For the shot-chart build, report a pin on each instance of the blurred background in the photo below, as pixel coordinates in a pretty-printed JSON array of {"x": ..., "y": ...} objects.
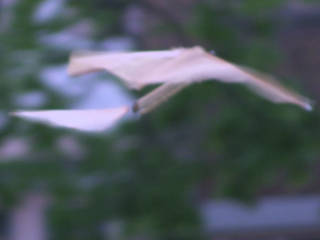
[{"x": 216, "y": 162}]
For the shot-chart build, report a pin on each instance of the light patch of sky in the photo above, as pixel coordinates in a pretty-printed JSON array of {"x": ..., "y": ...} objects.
[
  {"x": 47, "y": 10},
  {"x": 105, "y": 94},
  {"x": 113, "y": 229},
  {"x": 6, "y": 16},
  {"x": 26, "y": 62},
  {"x": 65, "y": 41},
  {"x": 91, "y": 91},
  {"x": 84, "y": 28},
  {"x": 57, "y": 79},
  {"x": 75, "y": 37},
  {"x": 6, "y": 3},
  {"x": 32, "y": 99},
  {"x": 14, "y": 147},
  {"x": 117, "y": 44},
  {"x": 268, "y": 213},
  {"x": 134, "y": 20},
  {"x": 71, "y": 147}
]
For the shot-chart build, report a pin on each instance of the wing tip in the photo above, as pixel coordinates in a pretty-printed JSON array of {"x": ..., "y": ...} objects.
[
  {"x": 308, "y": 106},
  {"x": 15, "y": 114}
]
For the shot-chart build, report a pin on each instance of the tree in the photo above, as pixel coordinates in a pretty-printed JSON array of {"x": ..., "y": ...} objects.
[{"x": 150, "y": 176}]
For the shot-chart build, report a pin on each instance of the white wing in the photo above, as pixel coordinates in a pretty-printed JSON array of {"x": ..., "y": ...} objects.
[
  {"x": 183, "y": 66},
  {"x": 128, "y": 66},
  {"x": 266, "y": 86},
  {"x": 85, "y": 120},
  {"x": 139, "y": 69}
]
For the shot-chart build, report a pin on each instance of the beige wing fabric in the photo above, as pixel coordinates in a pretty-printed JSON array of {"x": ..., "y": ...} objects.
[
  {"x": 180, "y": 66},
  {"x": 85, "y": 120},
  {"x": 139, "y": 69},
  {"x": 266, "y": 86},
  {"x": 132, "y": 67}
]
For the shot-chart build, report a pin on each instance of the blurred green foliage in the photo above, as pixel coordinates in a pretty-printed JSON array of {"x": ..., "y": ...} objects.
[{"x": 152, "y": 174}]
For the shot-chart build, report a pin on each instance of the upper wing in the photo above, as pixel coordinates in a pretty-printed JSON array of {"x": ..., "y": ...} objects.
[
  {"x": 262, "y": 84},
  {"x": 131, "y": 67},
  {"x": 138, "y": 69},
  {"x": 195, "y": 65},
  {"x": 182, "y": 65},
  {"x": 266, "y": 86},
  {"x": 85, "y": 120}
]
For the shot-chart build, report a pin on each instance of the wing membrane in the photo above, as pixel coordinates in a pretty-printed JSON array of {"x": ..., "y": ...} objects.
[{"x": 85, "y": 120}]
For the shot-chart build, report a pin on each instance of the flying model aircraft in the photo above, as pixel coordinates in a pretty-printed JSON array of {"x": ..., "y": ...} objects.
[{"x": 174, "y": 69}]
